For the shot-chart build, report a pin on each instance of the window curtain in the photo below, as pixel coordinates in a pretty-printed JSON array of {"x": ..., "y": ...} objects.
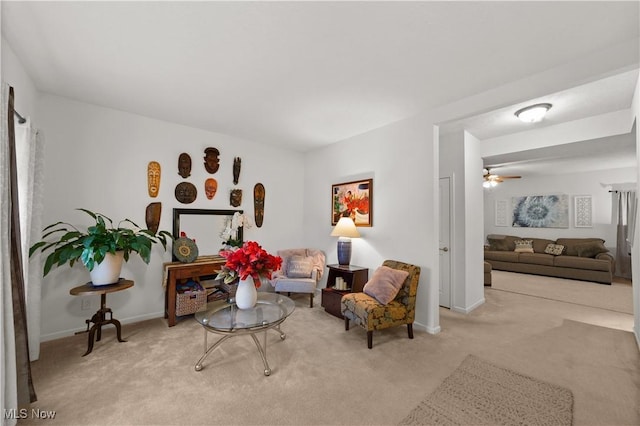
[
  {"x": 17, "y": 389},
  {"x": 30, "y": 170},
  {"x": 625, "y": 205}
]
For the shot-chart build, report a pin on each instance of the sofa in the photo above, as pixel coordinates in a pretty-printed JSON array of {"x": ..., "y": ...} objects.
[{"x": 585, "y": 259}]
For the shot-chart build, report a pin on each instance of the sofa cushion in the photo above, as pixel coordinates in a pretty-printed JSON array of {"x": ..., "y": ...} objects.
[
  {"x": 554, "y": 249},
  {"x": 539, "y": 244},
  {"x": 385, "y": 284},
  {"x": 591, "y": 249},
  {"x": 299, "y": 267},
  {"x": 571, "y": 243},
  {"x": 523, "y": 246},
  {"x": 582, "y": 263},
  {"x": 501, "y": 256},
  {"x": 502, "y": 242},
  {"x": 536, "y": 259}
]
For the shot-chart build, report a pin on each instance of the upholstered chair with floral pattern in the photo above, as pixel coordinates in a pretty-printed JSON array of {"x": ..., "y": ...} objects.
[{"x": 388, "y": 299}]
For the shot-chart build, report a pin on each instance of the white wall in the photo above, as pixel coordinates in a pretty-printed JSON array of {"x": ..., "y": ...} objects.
[
  {"x": 571, "y": 184},
  {"x": 635, "y": 249},
  {"x": 14, "y": 74},
  {"x": 97, "y": 158},
  {"x": 399, "y": 158},
  {"x": 460, "y": 160},
  {"x": 474, "y": 257}
]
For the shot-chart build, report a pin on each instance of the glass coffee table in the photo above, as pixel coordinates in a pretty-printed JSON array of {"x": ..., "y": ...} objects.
[{"x": 224, "y": 318}]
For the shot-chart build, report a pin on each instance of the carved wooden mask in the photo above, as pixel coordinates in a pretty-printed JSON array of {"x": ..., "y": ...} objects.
[
  {"x": 184, "y": 165},
  {"x": 236, "y": 197},
  {"x": 210, "y": 188},
  {"x": 153, "y": 178}
]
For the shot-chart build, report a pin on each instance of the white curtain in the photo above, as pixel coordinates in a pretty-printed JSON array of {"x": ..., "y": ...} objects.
[
  {"x": 625, "y": 212},
  {"x": 30, "y": 163},
  {"x": 8, "y": 376}
]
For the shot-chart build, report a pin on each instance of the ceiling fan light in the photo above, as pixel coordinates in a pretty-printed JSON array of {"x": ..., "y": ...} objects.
[{"x": 533, "y": 113}]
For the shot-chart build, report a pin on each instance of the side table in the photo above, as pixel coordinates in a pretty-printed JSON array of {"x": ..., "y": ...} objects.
[
  {"x": 354, "y": 276},
  {"x": 100, "y": 317}
]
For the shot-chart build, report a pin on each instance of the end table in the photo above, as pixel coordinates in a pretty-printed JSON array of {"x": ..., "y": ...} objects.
[{"x": 100, "y": 318}]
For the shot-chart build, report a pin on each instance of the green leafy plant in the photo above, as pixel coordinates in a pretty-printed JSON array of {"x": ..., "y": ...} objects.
[{"x": 90, "y": 247}]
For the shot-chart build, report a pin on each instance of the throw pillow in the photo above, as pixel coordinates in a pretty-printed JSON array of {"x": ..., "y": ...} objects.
[
  {"x": 299, "y": 267},
  {"x": 385, "y": 284},
  {"x": 591, "y": 249},
  {"x": 523, "y": 246},
  {"x": 554, "y": 249}
]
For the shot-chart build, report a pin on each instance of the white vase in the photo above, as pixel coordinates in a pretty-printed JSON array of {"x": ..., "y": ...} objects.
[
  {"x": 246, "y": 294},
  {"x": 108, "y": 271}
]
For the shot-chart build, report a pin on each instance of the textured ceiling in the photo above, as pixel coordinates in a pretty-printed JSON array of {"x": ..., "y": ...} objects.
[{"x": 305, "y": 74}]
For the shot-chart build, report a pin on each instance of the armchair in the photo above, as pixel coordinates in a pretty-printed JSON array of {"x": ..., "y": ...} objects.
[
  {"x": 300, "y": 272},
  {"x": 391, "y": 310}
]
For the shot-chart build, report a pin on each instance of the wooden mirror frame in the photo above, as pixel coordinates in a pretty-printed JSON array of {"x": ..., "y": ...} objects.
[{"x": 178, "y": 213}]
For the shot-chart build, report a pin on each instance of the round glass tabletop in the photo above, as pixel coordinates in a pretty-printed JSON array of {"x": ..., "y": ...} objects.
[{"x": 271, "y": 308}]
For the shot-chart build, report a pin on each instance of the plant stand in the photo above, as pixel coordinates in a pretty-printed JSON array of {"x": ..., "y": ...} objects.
[{"x": 100, "y": 317}]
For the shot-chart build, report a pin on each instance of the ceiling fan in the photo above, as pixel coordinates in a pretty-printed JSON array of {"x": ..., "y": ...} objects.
[{"x": 491, "y": 180}]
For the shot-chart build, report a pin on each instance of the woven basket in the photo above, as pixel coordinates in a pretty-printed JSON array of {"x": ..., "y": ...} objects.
[{"x": 190, "y": 301}]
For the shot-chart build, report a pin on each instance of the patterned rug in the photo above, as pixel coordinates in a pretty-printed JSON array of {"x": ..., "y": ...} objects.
[{"x": 479, "y": 393}]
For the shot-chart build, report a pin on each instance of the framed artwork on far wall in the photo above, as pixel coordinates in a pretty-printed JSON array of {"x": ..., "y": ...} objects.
[
  {"x": 583, "y": 211},
  {"x": 502, "y": 215},
  {"x": 354, "y": 200}
]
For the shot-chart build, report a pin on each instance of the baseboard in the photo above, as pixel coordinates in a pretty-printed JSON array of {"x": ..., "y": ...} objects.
[
  {"x": 71, "y": 332},
  {"x": 430, "y": 330},
  {"x": 468, "y": 310},
  {"x": 636, "y": 333}
]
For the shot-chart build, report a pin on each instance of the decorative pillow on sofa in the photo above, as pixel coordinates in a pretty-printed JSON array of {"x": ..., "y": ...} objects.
[
  {"x": 523, "y": 246},
  {"x": 385, "y": 284},
  {"x": 554, "y": 249},
  {"x": 591, "y": 249},
  {"x": 299, "y": 267}
]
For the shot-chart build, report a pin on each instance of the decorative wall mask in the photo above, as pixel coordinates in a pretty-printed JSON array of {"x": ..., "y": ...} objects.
[
  {"x": 153, "y": 178},
  {"x": 236, "y": 197},
  {"x": 152, "y": 216},
  {"x": 210, "y": 188},
  {"x": 211, "y": 160},
  {"x": 236, "y": 169},
  {"x": 258, "y": 204},
  {"x": 186, "y": 192},
  {"x": 184, "y": 165}
]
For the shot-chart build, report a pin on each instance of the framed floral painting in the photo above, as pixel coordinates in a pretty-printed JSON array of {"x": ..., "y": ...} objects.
[{"x": 354, "y": 200}]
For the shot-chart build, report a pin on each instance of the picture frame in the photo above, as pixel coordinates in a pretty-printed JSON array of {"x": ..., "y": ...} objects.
[
  {"x": 353, "y": 199},
  {"x": 501, "y": 213},
  {"x": 583, "y": 211},
  {"x": 540, "y": 211}
]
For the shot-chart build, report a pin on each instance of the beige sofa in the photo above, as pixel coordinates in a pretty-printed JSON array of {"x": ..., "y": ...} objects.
[{"x": 583, "y": 259}]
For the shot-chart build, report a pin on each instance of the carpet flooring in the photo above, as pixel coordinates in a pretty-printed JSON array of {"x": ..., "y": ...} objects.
[
  {"x": 480, "y": 393},
  {"x": 324, "y": 375}
]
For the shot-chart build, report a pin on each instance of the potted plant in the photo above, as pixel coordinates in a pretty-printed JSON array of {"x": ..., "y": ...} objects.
[
  {"x": 101, "y": 248},
  {"x": 248, "y": 264}
]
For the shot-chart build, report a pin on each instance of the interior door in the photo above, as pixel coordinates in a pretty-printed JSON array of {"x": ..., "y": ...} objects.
[{"x": 445, "y": 242}]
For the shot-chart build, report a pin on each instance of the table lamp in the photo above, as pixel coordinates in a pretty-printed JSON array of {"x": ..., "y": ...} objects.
[{"x": 345, "y": 229}]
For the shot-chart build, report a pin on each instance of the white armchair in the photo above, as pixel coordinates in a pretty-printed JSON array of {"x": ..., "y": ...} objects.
[{"x": 300, "y": 272}]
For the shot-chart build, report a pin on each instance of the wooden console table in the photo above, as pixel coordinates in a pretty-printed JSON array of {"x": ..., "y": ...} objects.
[{"x": 174, "y": 271}]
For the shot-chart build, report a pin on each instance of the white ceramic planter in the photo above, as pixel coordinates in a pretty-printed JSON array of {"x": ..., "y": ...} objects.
[
  {"x": 246, "y": 294},
  {"x": 108, "y": 271}
]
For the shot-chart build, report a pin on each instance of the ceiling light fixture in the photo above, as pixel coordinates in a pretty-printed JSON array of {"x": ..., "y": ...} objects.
[{"x": 533, "y": 113}]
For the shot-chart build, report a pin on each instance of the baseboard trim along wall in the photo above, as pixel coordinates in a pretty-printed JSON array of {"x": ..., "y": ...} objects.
[{"x": 470, "y": 308}]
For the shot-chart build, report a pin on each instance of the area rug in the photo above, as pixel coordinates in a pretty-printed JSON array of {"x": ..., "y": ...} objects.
[{"x": 480, "y": 393}]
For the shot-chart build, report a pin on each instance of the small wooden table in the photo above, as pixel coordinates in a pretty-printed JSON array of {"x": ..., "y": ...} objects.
[
  {"x": 355, "y": 277},
  {"x": 100, "y": 318},
  {"x": 174, "y": 271}
]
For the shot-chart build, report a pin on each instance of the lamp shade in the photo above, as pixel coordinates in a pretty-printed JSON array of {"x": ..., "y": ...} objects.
[{"x": 345, "y": 228}]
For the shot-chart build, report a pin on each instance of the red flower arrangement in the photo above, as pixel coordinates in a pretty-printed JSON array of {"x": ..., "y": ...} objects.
[{"x": 250, "y": 260}]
